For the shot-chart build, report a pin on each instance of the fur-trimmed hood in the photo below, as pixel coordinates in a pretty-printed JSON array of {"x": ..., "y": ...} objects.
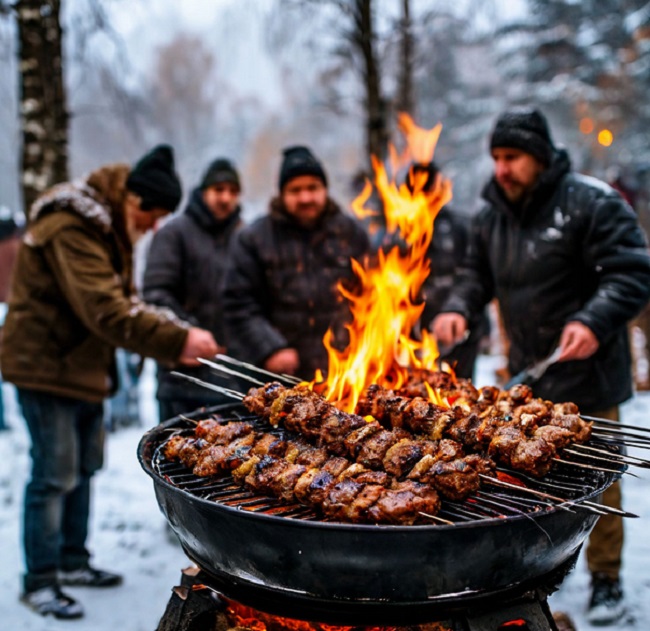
[{"x": 98, "y": 198}]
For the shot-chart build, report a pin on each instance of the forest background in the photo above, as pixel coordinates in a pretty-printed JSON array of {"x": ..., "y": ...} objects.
[{"x": 86, "y": 82}]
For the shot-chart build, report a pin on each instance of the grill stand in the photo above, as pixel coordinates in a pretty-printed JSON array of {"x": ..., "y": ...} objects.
[{"x": 522, "y": 609}]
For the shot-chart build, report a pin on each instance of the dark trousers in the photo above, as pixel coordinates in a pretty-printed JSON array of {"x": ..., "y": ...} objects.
[
  {"x": 67, "y": 442},
  {"x": 606, "y": 540}
]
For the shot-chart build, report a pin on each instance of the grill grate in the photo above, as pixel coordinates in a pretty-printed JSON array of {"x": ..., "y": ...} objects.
[{"x": 570, "y": 483}]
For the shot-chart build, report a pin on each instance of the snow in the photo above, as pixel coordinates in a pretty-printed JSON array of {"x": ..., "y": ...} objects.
[{"x": 128, "y": 532}]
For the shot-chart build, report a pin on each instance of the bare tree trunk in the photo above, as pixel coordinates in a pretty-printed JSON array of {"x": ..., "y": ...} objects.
[
  {"x": 364, "y": 39},
  {"x": 405, "y": 97},
  {"x": 43, "y": 104}
]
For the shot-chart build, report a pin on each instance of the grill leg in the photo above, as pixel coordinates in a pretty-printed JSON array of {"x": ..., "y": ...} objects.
[{"x": 528, "y": 616}]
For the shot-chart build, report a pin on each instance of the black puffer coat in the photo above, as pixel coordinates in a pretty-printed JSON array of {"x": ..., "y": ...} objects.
[
  {"x": 184, "y": 271},
  {"x": 280, "y": 289},
  {"x": 574, "y": 252}
]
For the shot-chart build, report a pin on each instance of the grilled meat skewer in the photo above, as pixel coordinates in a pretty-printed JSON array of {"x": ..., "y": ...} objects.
[
  {"x": 304, "y": 411},
  {"x": 270, "y": 465},
  {"x": 507, "y": 426}
]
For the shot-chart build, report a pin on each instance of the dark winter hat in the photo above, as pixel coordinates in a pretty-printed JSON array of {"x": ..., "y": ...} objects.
[
  {"x": 299, "y": 160},
  {"x": 155, "y": 180},
  {"x": 220, "y": 171},
  {"x": 524, "y": 128}
]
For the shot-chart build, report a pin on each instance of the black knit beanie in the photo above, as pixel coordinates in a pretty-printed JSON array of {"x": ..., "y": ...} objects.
[
  {"x": 299, "y": 160},
  {"x": 155, "y": 180},
  {"x": 220, "y": 171},
  {"x": 526, "y": 129}
]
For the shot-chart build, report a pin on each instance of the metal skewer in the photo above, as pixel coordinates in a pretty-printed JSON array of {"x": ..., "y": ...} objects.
[
  {"x": 233, "y": 394},
  {"x": 609, "y": 423},
  {"x": 588, "y": 466},
  {"x": 563, "y": 503},
  {"x": 236, "y": 362},
  {"x": 633, "y": 460},
  {"x": 611, "y": 431},
  {"x": 610, "y": 460},
  {"x": 230, "y": 371},
  {"x": 611, "y": 509},
  {"x": 436, "y": 518}
]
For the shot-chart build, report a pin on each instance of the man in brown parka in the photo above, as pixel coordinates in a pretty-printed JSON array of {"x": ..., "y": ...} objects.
[{"x": 70, "y": 306}]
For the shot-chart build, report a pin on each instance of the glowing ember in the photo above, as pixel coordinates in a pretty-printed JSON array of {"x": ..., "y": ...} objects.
[
  {"x": 385, "y": 309},
  {"x": 248, "y": 618}
]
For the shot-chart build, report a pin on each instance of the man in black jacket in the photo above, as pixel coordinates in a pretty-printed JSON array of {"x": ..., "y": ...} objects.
[
  {"x": 568, "y": 262},
  {"x": 184, "y": 271},
  {"x": 281, "y": 285}
]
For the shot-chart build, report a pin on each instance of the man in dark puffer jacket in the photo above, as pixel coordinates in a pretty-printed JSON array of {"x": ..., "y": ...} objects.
[
  {"x": 568, "y": 262},
  {"x": 280, "y": 293},
  {"x": 184, "y": 272}
]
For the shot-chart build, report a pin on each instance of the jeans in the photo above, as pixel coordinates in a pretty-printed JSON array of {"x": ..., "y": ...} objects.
[
  {"x": 67, "y": 442},
  {"x": 123, "y": 408}
]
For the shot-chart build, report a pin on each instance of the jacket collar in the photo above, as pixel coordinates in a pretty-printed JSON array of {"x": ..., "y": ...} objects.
[
  {"x": 541, "y": 193},
  {"x": 77, "y": 197},
  {"x": 197, "y": 210}
]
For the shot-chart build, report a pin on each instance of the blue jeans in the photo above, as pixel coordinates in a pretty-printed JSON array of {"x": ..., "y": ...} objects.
[{"x": 67, "y": 449}]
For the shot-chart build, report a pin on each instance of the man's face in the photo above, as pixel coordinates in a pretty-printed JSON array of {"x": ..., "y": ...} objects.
[
  {"x": 304, "y": 198},
  {"x": 516, "y": 172},
  {"x": 138, "y": 221},
  {"x": 222, "y": 199}
]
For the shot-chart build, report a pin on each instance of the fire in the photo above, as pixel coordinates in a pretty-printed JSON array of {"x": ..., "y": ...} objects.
[
  {"x": 247, "y": 618},
  {"x": 385, "y": 307}
]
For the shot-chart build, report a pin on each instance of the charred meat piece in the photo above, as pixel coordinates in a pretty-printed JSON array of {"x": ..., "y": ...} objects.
[
  {"x": 269, "y": 445},
  {"x": 312, "y": 486},
  {"x": 336, "y": 426},
  {"x": 356, "y": 438},
  {"x": 404, "y": 502},
  {"x": 555, "y": 435},
  {"x": 534, "y": 456},
  {"x": 580, "y": 429},
  {"x": 275, "y": 477},
  {"x": 402, "y": 456},
  {"x": 260, "y": 400},
  {"x": 312, "y": 457},
  {"x": 454, "y": 479},
  {"x": 374, "y": 449},
  {"x": 221, "y": 433},
  {"x": 216, "y": 459}
]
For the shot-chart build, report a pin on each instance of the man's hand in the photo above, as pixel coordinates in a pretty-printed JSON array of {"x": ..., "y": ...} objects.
[
  {"x": 577, "y": 342},
  {"x": 283, "y": 361},
  {"x": 449, "y": 328},
  {"x": 199, "y": 343}
]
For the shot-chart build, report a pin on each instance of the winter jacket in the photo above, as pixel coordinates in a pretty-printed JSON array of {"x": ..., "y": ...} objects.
[
  {"x": 70, "y": 302},
  {"x": 573, "y": 252},
  {"x": 281, "y": 285},
  {"x": 184, "y": 272}
]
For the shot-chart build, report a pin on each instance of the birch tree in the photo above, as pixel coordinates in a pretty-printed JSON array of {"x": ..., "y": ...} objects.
[{"x": 43, "y": 110}]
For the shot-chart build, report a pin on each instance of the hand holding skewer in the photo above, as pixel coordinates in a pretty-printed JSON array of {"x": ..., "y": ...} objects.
[
  {"x": 284, "y": 361},
  {"x": 199, "y": 343}
]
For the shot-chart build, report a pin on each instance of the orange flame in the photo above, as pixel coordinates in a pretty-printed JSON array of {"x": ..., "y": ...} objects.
[
  {"x": 248, "y": 618},
  {"x": 386, "y": 308}
]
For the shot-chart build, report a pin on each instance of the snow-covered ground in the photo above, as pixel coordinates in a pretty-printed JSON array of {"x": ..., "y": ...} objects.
[{"x": 128, "y": 533}]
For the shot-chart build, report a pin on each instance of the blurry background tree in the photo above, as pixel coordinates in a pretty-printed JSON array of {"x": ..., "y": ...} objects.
[
  {"x": 588, "y": 64},
  {"x": 43, "y": 107},
  {"x": 246, "y": 77}
]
